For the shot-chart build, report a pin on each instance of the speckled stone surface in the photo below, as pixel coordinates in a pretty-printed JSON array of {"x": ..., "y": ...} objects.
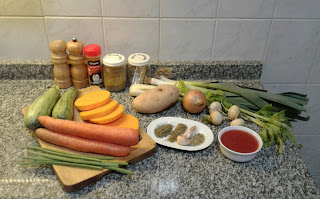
[
  {"x": 169, "y": 173},
  {"x": 26, "y": 70},
  {"x": 194, "y": 70},
  {"x": 212, "y": 69}
]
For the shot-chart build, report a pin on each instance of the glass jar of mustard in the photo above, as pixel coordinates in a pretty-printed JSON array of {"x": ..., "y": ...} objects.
[
  {"x": 138, "y": 68},
  {"x": 114, "y": 72}
]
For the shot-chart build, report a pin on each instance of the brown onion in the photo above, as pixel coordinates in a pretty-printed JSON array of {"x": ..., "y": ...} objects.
[{"x": 194, "y": 101}]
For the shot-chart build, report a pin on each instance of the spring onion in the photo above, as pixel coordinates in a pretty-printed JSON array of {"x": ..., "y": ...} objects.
[{"x": 41, "y": 156}]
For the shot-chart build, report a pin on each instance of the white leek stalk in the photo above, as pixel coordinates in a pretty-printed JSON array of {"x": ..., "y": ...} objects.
[{"x": 137, "y": 89}]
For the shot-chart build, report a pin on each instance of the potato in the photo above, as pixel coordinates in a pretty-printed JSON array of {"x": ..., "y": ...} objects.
[{"x": 156, "y": 99}]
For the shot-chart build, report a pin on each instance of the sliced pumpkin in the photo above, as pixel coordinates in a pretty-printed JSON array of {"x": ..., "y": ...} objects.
[
  {"x": 92, "y": 100},
  {"x": 114, "y": 115},
  {"x": 99, "y": 112},
  {"x": 126, "y": 121}
]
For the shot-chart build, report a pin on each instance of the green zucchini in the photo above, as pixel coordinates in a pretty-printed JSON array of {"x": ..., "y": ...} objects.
[
  {"x": 64, "y": 107},
  {"x": 42, "y": 106}
]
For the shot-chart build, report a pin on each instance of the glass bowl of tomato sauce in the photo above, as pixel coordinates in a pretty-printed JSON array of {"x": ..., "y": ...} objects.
[{"x": 239, "y": 143}]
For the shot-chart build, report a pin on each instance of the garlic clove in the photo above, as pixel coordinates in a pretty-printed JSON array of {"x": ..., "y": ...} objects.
[
  {"x": 189, "y": 133},
  {"x": 183, "y": 141}
]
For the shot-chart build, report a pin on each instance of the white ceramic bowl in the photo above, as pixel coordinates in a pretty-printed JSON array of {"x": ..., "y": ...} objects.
[{"x": 236, "y": 156}]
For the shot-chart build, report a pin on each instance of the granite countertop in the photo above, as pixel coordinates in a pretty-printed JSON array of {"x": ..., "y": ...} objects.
[{"x": 169, "y": 173}]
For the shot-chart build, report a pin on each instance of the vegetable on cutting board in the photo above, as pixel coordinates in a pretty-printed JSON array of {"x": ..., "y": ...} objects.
[
  {"x": 110, "y": 134},
  {"x": 82, "y": 144},
  {"x": 92, "y": 100},
  {"x": 100, "y": 111},
  {"x": 156, "y": 99},
  {"x": 42, "y": 106},
  {"x": 126, "y": 121},
  {"x": 64, "y": 107},
  {"x": 114, "y": 115}
]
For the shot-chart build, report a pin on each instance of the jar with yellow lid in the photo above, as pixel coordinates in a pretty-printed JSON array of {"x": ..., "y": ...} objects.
[
  {"x": 114, "y": 72},
  {"x": 138, "y": 68}
]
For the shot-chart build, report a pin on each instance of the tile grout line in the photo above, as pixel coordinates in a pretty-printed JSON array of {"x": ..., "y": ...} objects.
[
  {"x": 168, "y": 18},
  {"x": 269, "y": 33},
  {"x": 44, "y": 22},
  {"x": 104, "y": 30},
  {"x": 215, "y": 31},
  {"x": 313, "y": 64},
  {"x": 159, "y": 36}
]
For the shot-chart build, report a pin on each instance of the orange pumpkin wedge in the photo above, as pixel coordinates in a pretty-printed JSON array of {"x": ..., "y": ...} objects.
[
  {"x": 99, "y": 112},
  {"x": 114, "y": 115},
  {"x": 125, "y": 121},
  {"x": 92, "y": 100}
]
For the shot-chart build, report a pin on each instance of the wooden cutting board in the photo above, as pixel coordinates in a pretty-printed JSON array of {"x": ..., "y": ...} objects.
[{"x": 72, "y": 178}]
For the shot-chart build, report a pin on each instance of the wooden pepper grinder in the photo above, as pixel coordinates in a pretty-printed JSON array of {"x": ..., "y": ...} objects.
[
  {"x": 61, "y": 69},
  {"x": 79, "y": 73}
]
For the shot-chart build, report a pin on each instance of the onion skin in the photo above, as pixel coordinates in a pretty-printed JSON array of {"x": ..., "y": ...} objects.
[{"x": 194, "y": 101}]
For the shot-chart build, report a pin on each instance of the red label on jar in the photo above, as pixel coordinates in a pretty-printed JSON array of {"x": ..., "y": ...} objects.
[{"x": 95, "y": 73}]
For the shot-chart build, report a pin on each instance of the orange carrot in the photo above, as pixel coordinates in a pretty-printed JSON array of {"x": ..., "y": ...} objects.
[
  {"x": 110, "y": 134},
  {"x": 82, "y": 144}
]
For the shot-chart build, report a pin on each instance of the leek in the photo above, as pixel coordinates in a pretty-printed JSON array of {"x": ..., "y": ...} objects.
[{"x": 250, "y": 99}]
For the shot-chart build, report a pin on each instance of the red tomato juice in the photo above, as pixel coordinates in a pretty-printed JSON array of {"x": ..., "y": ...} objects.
[{"x": 239, "y": 141}]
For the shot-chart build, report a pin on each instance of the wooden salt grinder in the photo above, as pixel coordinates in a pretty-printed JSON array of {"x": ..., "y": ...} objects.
[
  {"x": 61, "y": 69},
  {"x": 79, "y": 72}
]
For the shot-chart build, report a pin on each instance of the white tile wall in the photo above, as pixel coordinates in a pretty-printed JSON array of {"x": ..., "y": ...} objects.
[
  {"x": 317, "y": 181},
  {"x": 246, "y": 8},
  {"x": 86, "y": 30},
  {"x": 23, "y": 39},
  {"x": 189, "y": 8},
  {"x": 130, "y": 8},
  {"x": 291, "y": 50},
  {"x": 309, "y": 153},
  {"x": 315, "y": 72},
  {"x": 184, "y": 30},
  {"x": 186, "y": 39},
  {"x": 20, "y": 8},
  {"x": 71, "y": 7},
  {"x": 240, "y": 39},
  {"x": 281, "y": 88},
  {"x": 297, "y": 9},
  {"x": 313, "y": 110},
  {"x": 127, "y": 36}
]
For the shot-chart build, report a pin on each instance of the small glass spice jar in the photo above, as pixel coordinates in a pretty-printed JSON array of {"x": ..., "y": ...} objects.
[
  {"x": 138, "y": 68},
  {"x": 95, "y": 75},
  {"x": 114, "y": 72}
]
